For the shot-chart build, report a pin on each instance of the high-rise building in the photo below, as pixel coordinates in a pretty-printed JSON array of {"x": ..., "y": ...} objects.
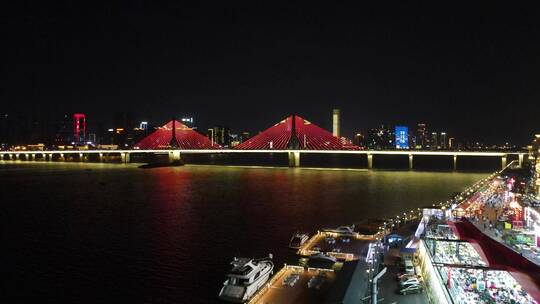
[
  {"x": 359, "y": 139},
  {"x": 63, "y": 131},
  {"x": 336, "y": 123},
  {"x": 5, "y": 131},
  {"x": 434, "y": 144},
  {"x": 92, "y": 138},
  {"x": 421, "y": 133},
  {"x": 235, "y": 140},
  {"x": 452, "y": 143},
  {"x": 143, "y": 125},
  {"x": 124, "y": 129},
  {"x": 188, "y": 122},
  {"x": 220, "y": 135},
  {"x": 380, "y": 138},
  {"x": 443, "y": 141},
  {"x": 402, "y": 137},
  {"x": 244, "y": 136},
  {"x": 79, "y": 128}
]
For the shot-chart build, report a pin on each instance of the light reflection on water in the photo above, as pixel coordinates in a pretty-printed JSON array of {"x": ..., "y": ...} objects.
[{"x": 116, "y": 233}]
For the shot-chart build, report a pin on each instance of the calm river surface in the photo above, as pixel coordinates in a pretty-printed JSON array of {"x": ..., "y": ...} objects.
[{"x": 111, "y": 233}]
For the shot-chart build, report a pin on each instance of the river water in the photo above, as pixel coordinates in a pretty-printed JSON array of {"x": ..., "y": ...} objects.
[{"x": 111, "y": 233}]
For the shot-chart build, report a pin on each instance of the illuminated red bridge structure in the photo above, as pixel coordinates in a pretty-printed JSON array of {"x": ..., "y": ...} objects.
[
  {"x": 176, "y": 135},
  {"x": 293, "y": 135},
  {"x": 296, "y": 133}
]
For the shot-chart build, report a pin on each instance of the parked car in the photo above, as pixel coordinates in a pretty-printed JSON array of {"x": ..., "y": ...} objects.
[
  {"x": 408, "y": 266},
  {"x": 411, "y": 289},
  {"x": 410, "y": 281},
  {"x": 406, "y": 276}
]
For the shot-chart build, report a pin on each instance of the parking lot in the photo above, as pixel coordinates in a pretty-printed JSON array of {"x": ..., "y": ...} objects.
[
  {"x": 389, "y": 290},
  {"x": 389, "y": 285}
]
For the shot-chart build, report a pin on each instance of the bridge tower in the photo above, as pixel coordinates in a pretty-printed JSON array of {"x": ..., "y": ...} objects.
[
  {"x": 174, "y": 155},
  {"x": 293, "y": 144},
  {"x": 174, "y": 141}
]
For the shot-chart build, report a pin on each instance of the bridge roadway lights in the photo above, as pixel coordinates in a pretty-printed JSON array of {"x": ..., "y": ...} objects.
[
  {"x": 294, "y": 159},
  {"x": 410, "y": 161},
  {"x": 370, "y": 161}
]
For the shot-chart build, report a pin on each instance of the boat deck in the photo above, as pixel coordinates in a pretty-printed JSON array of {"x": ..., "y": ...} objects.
[
  {"x": 355, "y": 248},
  {"x": 276, "y": 291}
]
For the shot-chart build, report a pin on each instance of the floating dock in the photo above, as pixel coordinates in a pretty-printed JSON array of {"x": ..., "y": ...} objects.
[
  {"x": 295, "y": 284},
  {"x": 343, "y": 246}
]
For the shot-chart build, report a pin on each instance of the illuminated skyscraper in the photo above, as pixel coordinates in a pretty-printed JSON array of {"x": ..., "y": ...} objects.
[
  {"x": 189, "y": 122},
  {"x": 336, "y": 123},
  {"x": 452, "y": 143},
  {"x": 402, "y": 137},
  {"x": 220, "y": 135},
  {"x": 421, "y": 140},
  {"x": 79, "y": 127},
  {"x": 143, "y": 125},
  {"x": 443, "y": 141},
  {"x": 434, "y": 141}
]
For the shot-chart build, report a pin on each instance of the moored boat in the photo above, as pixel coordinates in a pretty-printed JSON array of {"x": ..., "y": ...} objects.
[
  {"x": 297, "y": 240},
  {"x": 246, "y": 277}
]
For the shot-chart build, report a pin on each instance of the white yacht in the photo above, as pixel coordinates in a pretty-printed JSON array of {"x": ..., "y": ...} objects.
[
  {"x": 246, "y": 277},
  {"x": 297, "y": 240},
  {"x": 321, "y": 260}
]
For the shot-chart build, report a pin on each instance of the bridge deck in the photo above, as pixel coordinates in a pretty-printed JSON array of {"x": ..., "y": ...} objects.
[{"x": 221, "y": 151}]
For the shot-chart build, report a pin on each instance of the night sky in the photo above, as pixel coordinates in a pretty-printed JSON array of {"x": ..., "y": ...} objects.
[{"x": 473, "y": 72}]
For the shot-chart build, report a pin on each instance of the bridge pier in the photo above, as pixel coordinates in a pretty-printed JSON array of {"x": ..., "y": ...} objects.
[
  {"x": 294, "y": 159},
  {"x": 125, "y": 157},
  {"x": 521, "y": 159},
  {"x": 174, "y": 156},
  {"x": 100, "y": 157},
  {"x": 50, "y": 157},
  {"x": 370, "y": 161},
  {"x": 410, "y": 161},
  {"x": 503, "y": 162},
  {"x": 455, "y": 162}
]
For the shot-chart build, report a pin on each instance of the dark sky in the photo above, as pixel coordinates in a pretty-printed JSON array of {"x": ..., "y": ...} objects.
[{"x": 471, "y": 71}]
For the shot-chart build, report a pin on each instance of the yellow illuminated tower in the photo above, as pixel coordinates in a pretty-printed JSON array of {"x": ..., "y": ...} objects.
[{"x": 335, "y": 123}]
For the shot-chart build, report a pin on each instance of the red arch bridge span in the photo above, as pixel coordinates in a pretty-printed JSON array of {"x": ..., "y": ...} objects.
[{"x": 294, "y": 156}]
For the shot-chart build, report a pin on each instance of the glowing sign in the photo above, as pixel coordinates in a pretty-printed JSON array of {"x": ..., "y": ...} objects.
[{"x": 402, "y": 137}]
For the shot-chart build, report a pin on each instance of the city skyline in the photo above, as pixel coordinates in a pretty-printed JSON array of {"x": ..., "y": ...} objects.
[
  {"x": 236, "y": 66},
  {"x": 66, "y": 130}
]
